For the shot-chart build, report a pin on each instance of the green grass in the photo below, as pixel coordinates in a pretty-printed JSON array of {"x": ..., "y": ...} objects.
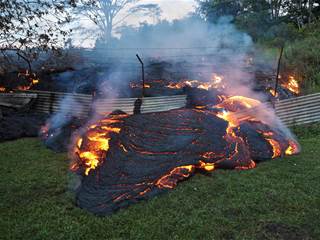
[{"x": 277, "y": 200}]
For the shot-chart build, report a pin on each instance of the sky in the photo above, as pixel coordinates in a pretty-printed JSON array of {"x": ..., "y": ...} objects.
[{"x": 171, "y": 10}]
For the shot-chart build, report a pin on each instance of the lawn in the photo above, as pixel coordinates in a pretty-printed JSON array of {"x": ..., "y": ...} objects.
[{"x": 280, "y": 199}]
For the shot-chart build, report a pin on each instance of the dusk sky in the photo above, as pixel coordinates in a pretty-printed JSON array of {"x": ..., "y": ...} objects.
[{"x": 171, "y": 9}]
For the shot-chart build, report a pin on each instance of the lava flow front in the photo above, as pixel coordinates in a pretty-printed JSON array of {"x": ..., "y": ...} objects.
[
  {"x": 126, "y": 158},
  {"x": 91, "y": 149}
]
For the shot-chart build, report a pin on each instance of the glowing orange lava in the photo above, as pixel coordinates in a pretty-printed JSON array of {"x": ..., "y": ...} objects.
[
  {"x": 171, "y": 179},
  {"x": 137, "y": 85},
  {"x": 236, "y": 103},
  {"x": 215, "y": 82},
  {"x": 292, "y": 149},
  {"x": 91, "y": 150},
  {"x": 273, "y": 93}
]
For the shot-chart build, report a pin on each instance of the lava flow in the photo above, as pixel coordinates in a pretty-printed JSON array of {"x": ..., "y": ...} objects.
[
  {"x": 91, "y": 149},
  {"x": 125, "y": 158},
  {"x": 215, "y": 83}
]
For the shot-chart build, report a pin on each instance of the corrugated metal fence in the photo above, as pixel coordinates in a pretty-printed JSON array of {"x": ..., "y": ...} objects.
[
  {"x": 294, "y": 111},
  {"x": 300, "y": 110},
  {"x": 51, "y": 102}
]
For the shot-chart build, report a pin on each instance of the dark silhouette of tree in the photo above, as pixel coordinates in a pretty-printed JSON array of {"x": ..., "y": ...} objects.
[
  {"x": 109, "y": 14},
  {"x": 30, "y": 26}
]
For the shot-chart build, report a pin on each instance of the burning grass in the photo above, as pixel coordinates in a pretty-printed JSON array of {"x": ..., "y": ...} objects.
[{"x": 278, "y": 199}]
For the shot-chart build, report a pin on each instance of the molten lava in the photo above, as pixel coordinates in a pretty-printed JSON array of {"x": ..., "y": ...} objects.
[
  {"x": 128, "y": 158},
  {"x": 91, "y": 149},
  {"x": 292, "y": 149},
  {"x": 137, "y": 85},
  {"x": 273, "y": 93},
  {"x": 215, "y": 82},
  {"x": 236, "y": 103}
]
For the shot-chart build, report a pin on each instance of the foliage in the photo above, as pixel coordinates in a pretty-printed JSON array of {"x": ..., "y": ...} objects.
[
  {"x": 302, "y": 57},
  {"x": 277, "y": 200},
  {"x": 27, "y": 27},
  {"x": 263, "y": 18},
  {"x": 28, "y": 24}
]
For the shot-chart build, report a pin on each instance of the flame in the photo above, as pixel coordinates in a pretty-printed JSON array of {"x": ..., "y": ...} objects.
[
  {"x": 273, "y": 93},
  {"x": 91, "y": 149},
  {"x": 292, "y": 85},
  {"x": 2, "y": 89}
]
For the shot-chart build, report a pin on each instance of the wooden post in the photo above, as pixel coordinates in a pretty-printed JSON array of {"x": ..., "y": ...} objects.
[
  {"x": 278, "y": 71},
  {"x": 143, "y": 80}
]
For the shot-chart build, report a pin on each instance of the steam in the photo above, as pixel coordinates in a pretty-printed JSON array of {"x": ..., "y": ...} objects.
[
  {"x": 192, "y": 47},
  {"x": 189, "y": 48}
]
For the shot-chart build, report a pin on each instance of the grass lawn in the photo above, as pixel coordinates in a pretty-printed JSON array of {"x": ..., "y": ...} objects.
[{"x": 279, "y": 199}]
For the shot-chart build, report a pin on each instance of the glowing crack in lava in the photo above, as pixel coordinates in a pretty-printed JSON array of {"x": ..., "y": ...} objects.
[
  {"x": 215, "y": 82},
  {"x": 91, "y": 149},
  {"x": 128, "y": 158}
]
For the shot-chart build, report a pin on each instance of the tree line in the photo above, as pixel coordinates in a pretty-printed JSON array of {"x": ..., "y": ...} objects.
[{"x": 263, "y": 18}]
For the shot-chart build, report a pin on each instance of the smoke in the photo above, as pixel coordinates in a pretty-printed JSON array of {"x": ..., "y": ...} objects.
[
  {"x": 187, "y": 49},
  {"x": 193, "y": 49}
]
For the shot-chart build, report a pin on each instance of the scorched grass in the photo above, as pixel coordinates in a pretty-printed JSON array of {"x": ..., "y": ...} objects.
[{"x": 277, "y": 200}]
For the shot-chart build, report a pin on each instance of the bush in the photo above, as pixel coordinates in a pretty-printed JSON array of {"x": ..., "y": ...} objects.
[{"x": 302, "y": 58}]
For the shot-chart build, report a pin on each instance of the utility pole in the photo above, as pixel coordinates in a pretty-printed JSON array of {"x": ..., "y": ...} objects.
[{"x": 143, "y": 80}]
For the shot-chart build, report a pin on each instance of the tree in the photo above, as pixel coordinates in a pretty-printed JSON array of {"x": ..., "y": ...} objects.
[
  {"x": 262, "y": 18},
  {"x": 303, "y": 12},
  {"x": 109, "y": 14},
  {"x": 213, "y": 10},
  {"x": 28, "y": 26}
]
